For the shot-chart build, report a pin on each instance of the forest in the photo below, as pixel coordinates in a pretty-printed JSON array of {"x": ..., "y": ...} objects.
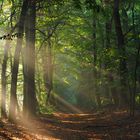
[{"x": 69, "y": 69}]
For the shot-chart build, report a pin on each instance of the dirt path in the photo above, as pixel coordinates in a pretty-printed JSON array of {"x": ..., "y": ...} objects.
[{"x": 116, "y": 126}]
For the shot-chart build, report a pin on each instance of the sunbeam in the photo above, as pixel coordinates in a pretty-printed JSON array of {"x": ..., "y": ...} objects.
[{"x": 67, "y": 104}]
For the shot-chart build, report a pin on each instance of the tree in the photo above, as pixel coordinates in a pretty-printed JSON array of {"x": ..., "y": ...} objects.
[
  {"x": 20, "y": 30},
  {"x": 3, "y": 81},
  {"x": 29, "y": 104},
  {"x": 122, "y": 54}
]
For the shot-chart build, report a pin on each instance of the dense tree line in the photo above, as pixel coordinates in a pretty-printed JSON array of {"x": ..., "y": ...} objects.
[{"x": 79, "y": 52}]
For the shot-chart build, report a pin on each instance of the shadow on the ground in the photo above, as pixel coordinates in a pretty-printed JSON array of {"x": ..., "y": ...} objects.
[{"x": 106, "y": 126}]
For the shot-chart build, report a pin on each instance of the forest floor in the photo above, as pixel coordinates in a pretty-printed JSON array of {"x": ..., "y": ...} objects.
[{"x": 104, "y": 125}]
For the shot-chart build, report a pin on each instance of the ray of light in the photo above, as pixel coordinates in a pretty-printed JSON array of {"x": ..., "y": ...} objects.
[{"x": 67, "y": 104}]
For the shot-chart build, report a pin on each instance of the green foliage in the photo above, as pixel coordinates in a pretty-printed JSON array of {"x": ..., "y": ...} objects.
[
  {"x": 50, "y": 109},
  {"x": 68, "y": 25}
]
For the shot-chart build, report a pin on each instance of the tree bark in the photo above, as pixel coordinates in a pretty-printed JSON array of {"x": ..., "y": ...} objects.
[
  {"x": 47, "y": 68},
  {"x": 133, "y": 94},
  {"x": 122, "y": 55},
  {"x": 108, "y": 32},
  {"x": 13, "y": 96},
  {"x": 47, "y": 61},
  {"x": 3, "y": 81},
  {"x": 30, "y": 102},
  {"x": 95, "y": 72}
]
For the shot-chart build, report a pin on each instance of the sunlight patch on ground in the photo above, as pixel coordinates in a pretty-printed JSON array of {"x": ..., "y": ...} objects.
[{"x": 32, "y": 128}]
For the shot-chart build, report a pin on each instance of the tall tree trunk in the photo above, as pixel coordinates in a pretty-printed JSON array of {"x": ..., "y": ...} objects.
[
  {"x": 13, "y": 96},
  {"x": 49, "y": 85},
  {"x": 47, "y": 68},
  {"x": 95, "y": 73},
  {"x": 133, "y": 94},
  {"x": 122, "y": 55},
  {"x": 3, "y": 81},
  {"x": 25, "y": 65},
  {"x": 47, "y": 61},
  {"x": 107, "y": 47},
  {"x": 3, "y": 75},
  {"x": 30, "y": 102},
  {"x": 108, "y": 32}
]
